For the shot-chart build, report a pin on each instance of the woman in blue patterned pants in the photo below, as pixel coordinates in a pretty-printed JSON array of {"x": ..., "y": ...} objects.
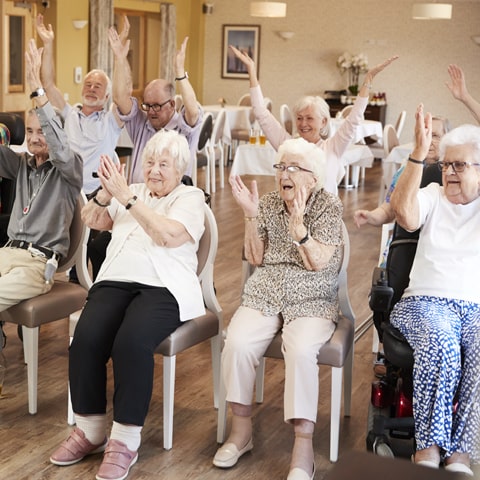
[{"x": 439, "y": 313}]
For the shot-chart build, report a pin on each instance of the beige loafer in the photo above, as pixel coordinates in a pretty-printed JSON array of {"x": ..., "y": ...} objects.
[{"x": 228, "y": 454}]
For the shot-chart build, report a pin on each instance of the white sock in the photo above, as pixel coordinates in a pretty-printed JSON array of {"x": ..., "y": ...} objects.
[
  {"x": 130, "y": 435},
  {"x": 93, "y": 426}
]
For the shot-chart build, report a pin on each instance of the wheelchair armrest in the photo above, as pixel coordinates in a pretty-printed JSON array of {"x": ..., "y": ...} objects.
[{"x": 381, "y": 293}]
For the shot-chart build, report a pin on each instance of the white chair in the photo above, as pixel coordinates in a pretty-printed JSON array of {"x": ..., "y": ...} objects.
[
  {"x": 286, "y": 118},
  {"x": 202, "y": 157},
  {"x": 190, "y": 333},
  {"x": 390, "y": 140},
  {"x": 245, "y": 100},
  {"x": 337, "y": 353},
  {"x": 63, "y": 299},
  {"x": 216, "y": 147},
  {"x": 344, "y": 112},
  {"x": 268, "y": 103},
  {"x": 378, "y": 148}
]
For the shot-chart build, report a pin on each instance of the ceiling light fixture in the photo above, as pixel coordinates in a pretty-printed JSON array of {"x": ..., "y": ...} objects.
[
  {"x": 268, "y": 9},
  {"x": 432, "y": 11}
]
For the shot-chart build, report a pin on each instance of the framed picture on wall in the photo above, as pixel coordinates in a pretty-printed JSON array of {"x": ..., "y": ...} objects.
[{"x": 247, "y": 39}]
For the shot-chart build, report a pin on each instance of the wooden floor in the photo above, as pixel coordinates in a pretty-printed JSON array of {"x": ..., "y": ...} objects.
[{"x": 27, "y": 441}]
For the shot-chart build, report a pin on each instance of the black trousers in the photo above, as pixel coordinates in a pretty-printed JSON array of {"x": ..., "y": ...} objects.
[{"x": 125, "y": 322}]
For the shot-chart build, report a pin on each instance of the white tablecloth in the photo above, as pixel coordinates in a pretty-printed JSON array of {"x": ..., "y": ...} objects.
[
  {"x": 237, "y": 117},
  {"x": 258, "y": 160},
  {"x": 368, "y": 128}
]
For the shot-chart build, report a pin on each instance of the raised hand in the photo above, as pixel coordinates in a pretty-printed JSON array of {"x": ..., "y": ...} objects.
[
  {"x": 245, "y": 59},
  {"x": 180, "y": 58},
  {"x": 246, "y": 199},
  {"x": 33, "y": 63},
  {"x": 120, "y": 43},
  {"x": 457, "y": 87},
  {"x": 45, "y": 33},
  {"x": 370, "y": 75},
  {"x": 423, "y": 132},
  {"x": 296, "y": 226}
]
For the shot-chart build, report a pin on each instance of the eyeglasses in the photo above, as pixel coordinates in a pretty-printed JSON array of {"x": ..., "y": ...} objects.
[
  {"x": 457, "y": 167},
  {"x": 290, "y": 168},
  {"x": 156, "y": 107}
]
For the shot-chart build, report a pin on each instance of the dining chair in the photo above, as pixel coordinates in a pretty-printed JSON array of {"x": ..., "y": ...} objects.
[
  {"x": 344, "y": 112},
  {"x": 377, "y": 147},
  {"x": 217, "y": 150},
  {"x": 336, "y": 353},
  {"x": 286, "y": 118},
  {"x": 190, "y": 333},
  {"x": 390, "y": 141},
  {"x": 63, "y": 299},
  {"x": 245, "y": 100},
  {"x": 268, "y": 104},
  {"x": 202, "y": 158}
]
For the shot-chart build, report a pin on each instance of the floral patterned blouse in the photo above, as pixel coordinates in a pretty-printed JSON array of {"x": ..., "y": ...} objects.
[{"x": 282, "y": 284}]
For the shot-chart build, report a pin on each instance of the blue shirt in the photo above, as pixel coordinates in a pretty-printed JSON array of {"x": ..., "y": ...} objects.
[{"x": 91, "y": 136}]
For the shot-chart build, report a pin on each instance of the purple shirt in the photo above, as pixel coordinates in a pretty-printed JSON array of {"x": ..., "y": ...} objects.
[{"x": 141, "y": 131}]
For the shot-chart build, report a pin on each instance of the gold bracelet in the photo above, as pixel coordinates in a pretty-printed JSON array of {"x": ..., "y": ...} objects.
[{"x": 250, "y": 219}]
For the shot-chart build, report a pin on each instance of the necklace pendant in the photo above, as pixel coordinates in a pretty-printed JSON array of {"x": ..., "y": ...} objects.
[{"x": 26, "y": 209}]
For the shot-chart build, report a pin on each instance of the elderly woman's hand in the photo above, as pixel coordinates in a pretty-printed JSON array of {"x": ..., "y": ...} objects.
[
  {"x": 248, "y": 62},
  {"x": 247, "y": 200},
  {"x": 423, "y": 134},
  {"x": 380, "y": 67},
  {"x": 296, "y": 226},
  {"x": 113, "y": 180}
]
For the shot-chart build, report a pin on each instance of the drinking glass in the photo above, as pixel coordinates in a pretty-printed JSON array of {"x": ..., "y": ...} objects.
[
  {"x": 262, "y": 138},
  {"x": 253, "y": 136}
]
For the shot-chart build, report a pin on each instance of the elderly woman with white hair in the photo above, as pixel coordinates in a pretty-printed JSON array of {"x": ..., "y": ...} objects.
[
  {"x": 312, "y": 120},
  {"x": 294, "y": 237},
  {"x": 146, "y": 288}
]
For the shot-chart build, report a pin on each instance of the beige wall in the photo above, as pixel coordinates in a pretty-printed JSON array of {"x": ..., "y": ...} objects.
[{"x": 325, "y": 29}]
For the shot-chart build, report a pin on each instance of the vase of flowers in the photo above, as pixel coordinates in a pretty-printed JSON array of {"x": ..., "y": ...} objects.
[{"x": 354, "y": 65}]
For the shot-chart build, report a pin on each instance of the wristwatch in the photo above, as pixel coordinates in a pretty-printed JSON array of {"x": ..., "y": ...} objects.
[
  {"x": 305, "y": 239},
  {"x": 131, "y": 202},
  {"x": 182, "y": 78},
  {"x": 37, "y": 93}
]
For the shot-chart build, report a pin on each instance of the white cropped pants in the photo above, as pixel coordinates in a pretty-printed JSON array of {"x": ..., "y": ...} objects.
[{"x": 248, "y": 336}]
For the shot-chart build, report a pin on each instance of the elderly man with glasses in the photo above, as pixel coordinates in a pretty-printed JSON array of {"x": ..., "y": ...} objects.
[
  {"x": 439, "y": 313},
  {"x": 157, "y": 111}
]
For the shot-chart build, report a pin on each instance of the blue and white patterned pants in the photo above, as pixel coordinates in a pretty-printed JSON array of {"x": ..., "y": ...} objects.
[{"x": 445, "y": 337}]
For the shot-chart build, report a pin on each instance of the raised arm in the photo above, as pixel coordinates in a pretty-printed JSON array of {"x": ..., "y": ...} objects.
[
  {"x": 404, "y": 198},
  {"x": 458, "y": 89},
  {"x": 376, "y": 217},
  {"x": 185, "y": 87},
  {"x": 122, "y": 85},
  {"x": 48, "y": 68}
]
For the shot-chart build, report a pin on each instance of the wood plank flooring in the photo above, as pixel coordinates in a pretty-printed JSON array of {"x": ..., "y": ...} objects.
[{"x": 27, "y": 441}]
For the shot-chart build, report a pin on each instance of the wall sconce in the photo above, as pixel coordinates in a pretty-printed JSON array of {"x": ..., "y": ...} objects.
[
  {"x": 432, "y": 11},
  {"x": 268, "y": 9},
  {"x": 207, "y": 8},
  {"x": 79, "y": 24},
  {"x": 286, "y": 35}
]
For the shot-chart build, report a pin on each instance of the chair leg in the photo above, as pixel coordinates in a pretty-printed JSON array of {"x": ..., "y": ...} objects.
[
  {"x": 222, "y": 412},
  {"x": 30, "y": 351},
  {"x": 336, "y": 405},
  {"x": 259, "y": 381},
  {"x": 216, "y": 346},
  {"x": 70, "y": 414},
  {"x": 347, "y": 383},
  {"x": 168, "y": 400}
]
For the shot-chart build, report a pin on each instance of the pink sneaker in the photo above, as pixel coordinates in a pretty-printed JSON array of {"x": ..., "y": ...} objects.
[
  {"x": 117, "y": 461},
  {"x": 75, "y": 448}
]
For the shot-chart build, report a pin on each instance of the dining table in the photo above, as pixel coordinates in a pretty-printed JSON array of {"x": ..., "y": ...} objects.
[
  {"x": 367, "y": 128},
  {"x": 259, "y": 159},
  {"x": 394, "y": 160},
  {"x": 237, "y": 117}
]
